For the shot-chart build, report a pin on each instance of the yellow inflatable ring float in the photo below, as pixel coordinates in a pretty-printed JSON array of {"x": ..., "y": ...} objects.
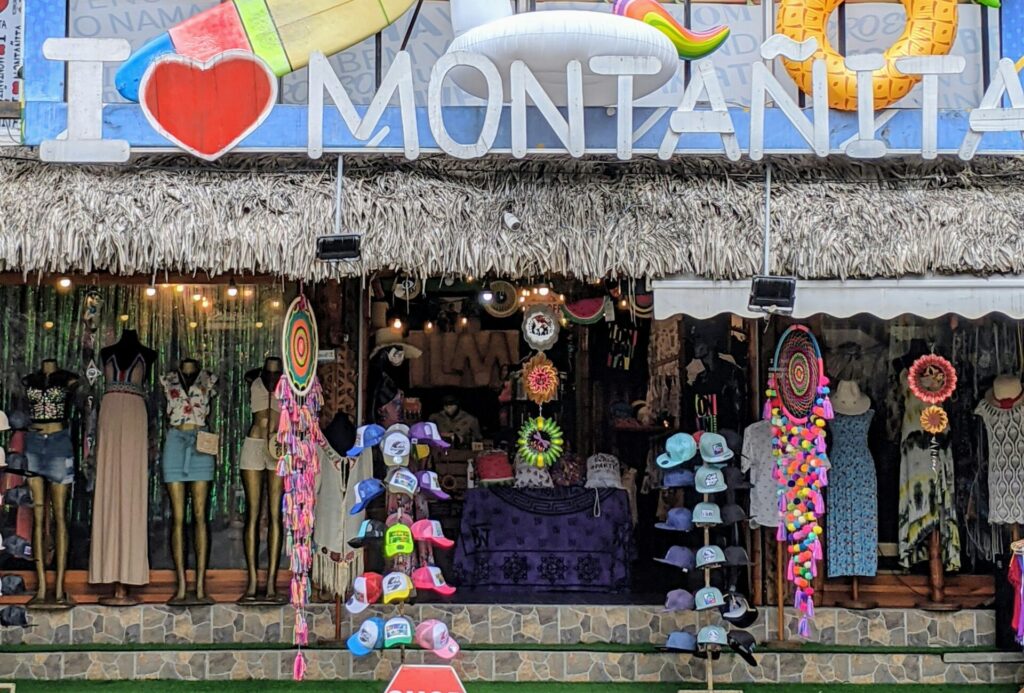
[{"x": 930, "y": 30}]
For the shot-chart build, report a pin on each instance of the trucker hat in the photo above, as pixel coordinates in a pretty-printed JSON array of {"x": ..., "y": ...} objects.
[
  {"x": 403, "y": 481},
  {"x": 432, "y": 635},
  {"x": 398, "y": 541},
  {"x": 366, "y": 490},
  {"x": 366, "y": 437},
  {"x": 431, "y": 531},
  {"x": 737, "y": 611},
  {"x": 396, "y": 447},
  {"x": 397, "y": 631},
  {"x": 370, "y": 532},
  {"x": 743, "y": 644},
  {"x": 426, "y": 432},
  {"x": 431, "y": 486},
  {"x": 397, "y": 587},
  {"x": 368, "y": 638},
  {"x": 431, "y": 579},
  {"x": 366, "y": 590}
]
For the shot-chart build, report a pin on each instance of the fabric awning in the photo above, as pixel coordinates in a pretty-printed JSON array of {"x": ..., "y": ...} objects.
[{"x": 926, "y": 297}]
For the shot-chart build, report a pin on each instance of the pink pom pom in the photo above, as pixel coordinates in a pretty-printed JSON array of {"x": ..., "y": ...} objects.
[
  {"x": 829, "y": 412},
  {"x": 299, "y": 667},
  {"x": 766, "y": 414}
]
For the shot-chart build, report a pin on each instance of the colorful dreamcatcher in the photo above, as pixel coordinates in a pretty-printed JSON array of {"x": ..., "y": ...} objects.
[
  {"x": 299, "y": 437},
  {"x": 932, "y": 379},
  {"x": 799, "y": 408},
  {"x": 540, "y": 378},
  {"x": 541, "y": 442}
]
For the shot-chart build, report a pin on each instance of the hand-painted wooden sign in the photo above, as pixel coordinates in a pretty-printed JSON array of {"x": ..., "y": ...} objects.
[
  {"x": 523, "y": 114},
  {"x": 466, "y": 359}
]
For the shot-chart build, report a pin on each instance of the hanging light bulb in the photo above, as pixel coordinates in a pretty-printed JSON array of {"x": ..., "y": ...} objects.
[
  {"x": 470, "y": 279},
  {"x": 543, "y": 291},
  {"x": 275, "y": 303},
  {"x": 397, "y": 324},
  {"x": 486, "y": 296},
  {"x": 522, "y": 299},
  {"x": 48, "y": 325},
  {"x": 248, "y": 293},
  {"x": 151, "y": 291},
  {"x": 123, "y": 318},
  {"x": 623, "y": 304},
  {"x": 429, "y": 326},
  {"x": 232, "y": 288},
  {"x": 197, "y": 297},
  {"x": 180, "y": 288},
  {"x": 193, "y": 324},
  {"x": 259, "y": 324},
  {"x": 526, "y": 293},
  {"x": 64, "y": 282},
  {"x": 561, "y": 298},
  {"x": 206, "y": 303},
  {"x": 464, "y": 321},
  {"x": 565, "y": 322}
]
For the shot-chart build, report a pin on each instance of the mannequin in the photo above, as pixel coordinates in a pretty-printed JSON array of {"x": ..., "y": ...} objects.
[
  {"x": 259, "y": 467},
  {"x": 50, "y": 455},
  {"x": 852, "y": 492},
  {"x": 186, "y": 471},
  {"x": 1002, "y": 410},
  {"x": 120, "y": 545},
  {"x": 457, "y": 424}
]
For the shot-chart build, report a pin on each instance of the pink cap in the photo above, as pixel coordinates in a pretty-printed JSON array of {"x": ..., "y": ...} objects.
[
  {"x": 431, "y": 579},
  {"x": 433, "y": 635},
  {"x": 430, "y": 530}
]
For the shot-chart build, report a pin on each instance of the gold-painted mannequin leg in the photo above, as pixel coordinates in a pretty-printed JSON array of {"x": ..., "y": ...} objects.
[
  {"x": 59, "y": 500},
  {"x": 38, "y": 487},
  {"x": 275, "y": 491},
  {"x": 176, "y": 493},
  {"x": 200, "y": 492},
  {"x": 252, "y": 483}
]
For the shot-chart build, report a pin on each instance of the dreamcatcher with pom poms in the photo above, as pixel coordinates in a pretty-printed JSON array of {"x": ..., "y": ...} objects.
[
  {"x": 799, "y": 409},
  {"x": 299, "y": 437}
]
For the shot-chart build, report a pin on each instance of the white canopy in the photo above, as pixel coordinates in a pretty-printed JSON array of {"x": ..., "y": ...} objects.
[{"x": 926, "y": 297}]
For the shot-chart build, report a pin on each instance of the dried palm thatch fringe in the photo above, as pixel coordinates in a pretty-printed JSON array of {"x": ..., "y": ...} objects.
[{"x": 582, "y": 218}]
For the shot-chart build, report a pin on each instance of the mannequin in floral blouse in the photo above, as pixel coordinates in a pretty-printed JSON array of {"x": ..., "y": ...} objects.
[{"x": 189, "y": 391}]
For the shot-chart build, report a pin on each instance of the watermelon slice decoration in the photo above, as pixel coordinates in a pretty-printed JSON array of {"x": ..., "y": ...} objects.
[{"x": 588, "y": 311}]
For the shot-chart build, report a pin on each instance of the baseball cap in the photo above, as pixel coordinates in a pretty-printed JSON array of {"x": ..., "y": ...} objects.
[
  {"x": 366, "y": 437},
  {"x": 431, "y": 579},
  {"x": 366, "y": 490},
  {"x": 12, "y": 584},
  {"x": 395, "y": 447},
  {"x": 707, "y": 515},
  {"x": 430, "y": 530},
  {"x": 709, "y": 480},
  {"x": 3, "y": 458},
  {"x": 5, "y": 424},
  {"x": 18, "y": 547},
  {"x": 431, "y": 486},
  {"x": 403, "y": 481},
  {"x": 397, "y": 428},
  {"x": 732, "y": 513},
  {"x": 368, "y": 638},
  {"x": 366, "y": 590},
  {"x": 710, "y": 557},
  {"x": 709, "y": 598},
  {"x": 679, "y": 557},
  {"x": 738, "y": 612},
  {"x": 736, "y": 556},
  {"x": 13, "y": 617},
  {"x": 681, "y": 641},
  {"x": 397, "y": 631},
  {"x": 19, "y": 496},
  {"x": 398, "y": 541},
  {"x": 679, "y": 520},
  {"x": 677, "y": 478},
  {"x": 370, "y": 531},
  {"x": 679, "y": 448},
  {"x": 712, "y": 636},
  {"x": 397, "y": 587},
  {"x": 735, "y": 479},
  {"x": 426, "y": 432},
  {"x": 433, "y": 635},
  {"x": 743, "y": 644},
  {"x": 714, "y": 448},
  {"x": 679, "y": 600}
]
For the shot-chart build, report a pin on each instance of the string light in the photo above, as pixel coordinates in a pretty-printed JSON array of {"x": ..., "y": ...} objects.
[
  {"x": 206, "y": 303},
  {"x": 487, "y": 296},
  {"x": 429, "y": 327},
  {"x": 180, "y": 288},
  {"x": 151, "y": 291},
  {"x": 397, "y": 324},
  {"x": 561, "y": 298},
  {"x": 464, "y": 321},
  {"x": 232, "y": 289},
  {"x": 64, "y": 282},
  {"x": 526, "y": 293},
  {"x": 48, "y": 325},
  {"x": 197, "y": 297},
  {"x": 623, "y": 304},
  {"x": 247, "y": 293},
  {"x": 470, "y": 279},
  {"x": 259, "y": 324},
  {"x": 123, "y": 318},
  {"x": 276, "y": 304},
  {"x": 193, "y": 324},
  {"x": 543, "y": 291}
]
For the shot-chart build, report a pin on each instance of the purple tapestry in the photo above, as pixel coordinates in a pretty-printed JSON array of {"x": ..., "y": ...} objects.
[{"x": 545, "y": 540}]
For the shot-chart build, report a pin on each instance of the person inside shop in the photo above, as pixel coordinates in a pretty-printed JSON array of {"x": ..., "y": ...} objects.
[
  {"x": 188, "y": 461},
  {"x": 51, "y": 464},
  {"x": 259, "y": 467},
  {"x": 455, "y": 423},
  {"x": 717, "y": 393}
]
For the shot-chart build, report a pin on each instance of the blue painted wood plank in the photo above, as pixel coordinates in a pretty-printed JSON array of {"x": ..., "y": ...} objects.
[
  {"x": 285, "y": 129},
  {"x": 44, "y": 79},
  {"x": 1011, "y": 27}
]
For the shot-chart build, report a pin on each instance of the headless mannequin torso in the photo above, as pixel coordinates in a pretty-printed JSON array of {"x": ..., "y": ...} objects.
[
  {"x": 56, "y": 493},
  {"x": 264, "y": 427}
]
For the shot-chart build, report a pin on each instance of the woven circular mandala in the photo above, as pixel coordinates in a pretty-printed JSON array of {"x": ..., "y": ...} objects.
[
  {"x": 299, "y": 346},
  {"x": 798, "y": 366},
  {"x": 932, "y": 379}
]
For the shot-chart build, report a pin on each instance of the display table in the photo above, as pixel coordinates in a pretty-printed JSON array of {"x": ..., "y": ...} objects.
[{"x": 547, "y": 540}]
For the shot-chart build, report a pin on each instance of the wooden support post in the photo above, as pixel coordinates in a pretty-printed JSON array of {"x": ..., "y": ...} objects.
[{"x": 937, "y": 576}]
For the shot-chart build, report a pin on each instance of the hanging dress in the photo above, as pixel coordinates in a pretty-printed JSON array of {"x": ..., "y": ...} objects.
[
  {"x": 1005, "y": 428},
  {"x": 926, "y": 497},
  {"x": 120, "y": 546},
  {"x": 852, "y": 508}
]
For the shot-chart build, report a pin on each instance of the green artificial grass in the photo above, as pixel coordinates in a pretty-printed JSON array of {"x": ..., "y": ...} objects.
[{"x": 378, "y": 687}]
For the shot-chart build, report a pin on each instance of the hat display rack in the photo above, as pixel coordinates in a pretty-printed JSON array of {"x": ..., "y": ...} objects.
[{"x": 798, "y": 408}]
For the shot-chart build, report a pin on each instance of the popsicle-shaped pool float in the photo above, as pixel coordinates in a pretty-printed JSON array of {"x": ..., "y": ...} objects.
[{"x": 283, "y": 33}]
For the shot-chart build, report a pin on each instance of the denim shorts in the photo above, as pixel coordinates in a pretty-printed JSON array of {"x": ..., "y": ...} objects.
[
  {"x": 182, "y": 462},
  {"x": 50, "y": 456}
]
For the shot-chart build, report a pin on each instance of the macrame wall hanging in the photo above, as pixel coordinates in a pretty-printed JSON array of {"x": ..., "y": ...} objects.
[
  {"x": 299, "y": 438},
  {"x": 799, "y": 408}
]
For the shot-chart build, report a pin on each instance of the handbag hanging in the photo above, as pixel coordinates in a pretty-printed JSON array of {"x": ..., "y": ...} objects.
[{"x": 208, "y": 443}]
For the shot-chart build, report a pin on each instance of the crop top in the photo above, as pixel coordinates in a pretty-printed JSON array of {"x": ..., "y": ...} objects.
[
  {"x": 189, "y": 405},
  {"x": 48, "y": 396},
  {"x": 260, "y": 399}
]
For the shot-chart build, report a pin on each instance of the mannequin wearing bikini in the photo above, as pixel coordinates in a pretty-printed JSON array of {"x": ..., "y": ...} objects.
[
  {"x": 258, "y": 468},
  {"x": 187, "y": 472},
  {"x": 51, "y": 458}
]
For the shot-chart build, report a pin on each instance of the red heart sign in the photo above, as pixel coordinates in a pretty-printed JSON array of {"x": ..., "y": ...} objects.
[{"x": 207, "y": 108}]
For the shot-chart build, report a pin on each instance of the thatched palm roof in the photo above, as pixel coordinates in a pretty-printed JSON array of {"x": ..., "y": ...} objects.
[{"x": 584, "y": 218}]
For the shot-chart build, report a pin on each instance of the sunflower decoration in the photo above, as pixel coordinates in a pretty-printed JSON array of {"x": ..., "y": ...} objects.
[
  {"x": 934, "y": 420},
  {"x": 932, "y": 379},
  {"x": 541, "y": 442},
  {"x": 541, "y": 379}
]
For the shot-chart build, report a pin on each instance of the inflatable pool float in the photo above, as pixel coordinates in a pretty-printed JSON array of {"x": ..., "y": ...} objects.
[
  {"x": 547, "y": 41},
  {"x": 930, "y": 30}
]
